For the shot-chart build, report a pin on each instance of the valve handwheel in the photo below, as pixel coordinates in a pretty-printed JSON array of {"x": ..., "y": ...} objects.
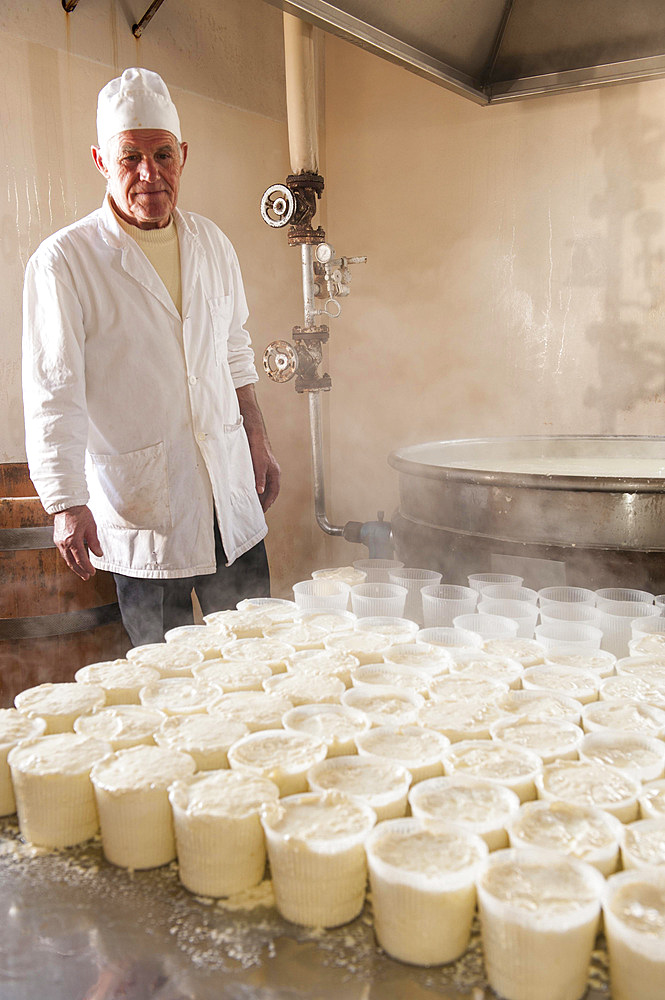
[
  {"x": 280, "y": 361},
  {"x": 278, "y": 206}
]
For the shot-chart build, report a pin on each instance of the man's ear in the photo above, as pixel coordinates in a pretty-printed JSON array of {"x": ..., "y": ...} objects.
[
  {"x": 183, "y": 154},
  {"x": 99, "y": 161}
]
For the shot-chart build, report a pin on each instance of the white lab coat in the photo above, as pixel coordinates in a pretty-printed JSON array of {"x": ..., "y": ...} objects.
[{"x": 133, "y": 410}]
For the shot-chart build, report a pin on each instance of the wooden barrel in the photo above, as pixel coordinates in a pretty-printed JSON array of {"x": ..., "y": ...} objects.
[{"x": 51, "y": 621}]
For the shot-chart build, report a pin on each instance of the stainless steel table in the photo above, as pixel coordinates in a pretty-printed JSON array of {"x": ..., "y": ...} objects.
[{"x": 73, "y": 927}]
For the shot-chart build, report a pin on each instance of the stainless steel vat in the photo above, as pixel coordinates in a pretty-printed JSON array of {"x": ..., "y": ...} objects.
[{"x": 459, "y": 514}]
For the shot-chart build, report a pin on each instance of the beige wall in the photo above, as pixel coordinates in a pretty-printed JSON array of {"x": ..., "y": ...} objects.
[
  {"x": 516, "y": 273},
  {"x": 224, "y": 64}
]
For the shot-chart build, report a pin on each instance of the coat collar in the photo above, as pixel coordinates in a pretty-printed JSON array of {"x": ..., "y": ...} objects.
[{"x": 135, "y": 262}]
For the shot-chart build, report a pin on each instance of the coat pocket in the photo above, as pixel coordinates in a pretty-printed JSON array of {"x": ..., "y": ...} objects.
[
  {"x": 220, "y": 308},
  {"x": 131, "y": 490}
]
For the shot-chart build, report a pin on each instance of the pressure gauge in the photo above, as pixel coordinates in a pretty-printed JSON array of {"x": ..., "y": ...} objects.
[{"x": 324, "y": 253}]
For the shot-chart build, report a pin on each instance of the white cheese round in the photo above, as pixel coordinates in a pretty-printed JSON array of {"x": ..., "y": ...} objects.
[
  {"x": 539, "y": 915},
  {"x": 279, "y": 755},
  {"x": 634, "y": 911},
  {"x": 551, "y": 739},
  {"x": 423, "y": 892},
  {"x": 131, "y": 789},
  {"x": 417, "y": 749},
  {"x": 528, "y": 652},
  {"x": 328, "y": 662},
  {"x": 467, "y": 720},
  {"x": 385, "y": 706},
  {"x": 303, "y": 689},
  {"x": 644, "y": 843},
  {"x": 334, "y": 725},
  {"x": 511, "y": 766},
  {"x": 481, "y": 807},
  {"x": 234, "y": 675},
  {"x": 206, "y": 738},
  {"x": 257, "y": 709},
  {"x": 593, "y": 784},
  {"x": 317, "y": 858},
  {"x": 171, "y": 659},
  {"x": 121, "y": 680},
  {"x": 14, "y": 727},
  {"x": 54, "y": 797},
  {"x": 219, "y": 838},
  {"x": 122, "y": 726},
  {"x": 367, "y": 647},
  {"x": 584, "y": 832},
  {"x": 179, "y": 695},
  {"x": 382, "y": 784},
  {"x": 59, "y": 704}
]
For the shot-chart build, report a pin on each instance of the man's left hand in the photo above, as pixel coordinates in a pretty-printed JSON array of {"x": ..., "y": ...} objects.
[
  {"x": 266, "y": 472},
  {"x": 266, "y": 469}
]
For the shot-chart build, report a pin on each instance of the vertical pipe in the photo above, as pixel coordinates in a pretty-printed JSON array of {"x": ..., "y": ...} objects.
[
  {"x": 315, "y": 419},
  {"x": 307, "y": 263},
  {"x": 301, "y": 94},
  {"x": 317, "y": 466},
  {"x": 300, "y": 69}
]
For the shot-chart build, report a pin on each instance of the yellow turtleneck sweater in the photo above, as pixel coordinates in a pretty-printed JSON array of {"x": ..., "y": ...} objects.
[{"x": 162, "y": 249}]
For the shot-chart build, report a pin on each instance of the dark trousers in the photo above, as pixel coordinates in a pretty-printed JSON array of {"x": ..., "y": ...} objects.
[{"x": 149, "y": 608}]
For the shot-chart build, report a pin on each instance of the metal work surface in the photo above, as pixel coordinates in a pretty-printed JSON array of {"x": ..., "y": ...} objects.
[
  {"x": 73, "y": 927},
  {"x": 498, "y": 50}
]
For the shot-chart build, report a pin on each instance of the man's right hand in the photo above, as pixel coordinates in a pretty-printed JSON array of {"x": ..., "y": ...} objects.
[{"x": 74, "y": 532}]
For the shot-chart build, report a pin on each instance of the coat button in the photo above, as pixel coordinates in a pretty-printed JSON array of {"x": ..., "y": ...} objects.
[{"x": 192, "y": 380}]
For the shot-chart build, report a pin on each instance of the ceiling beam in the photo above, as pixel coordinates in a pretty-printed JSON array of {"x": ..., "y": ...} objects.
[{"x": 630, "y": 71}]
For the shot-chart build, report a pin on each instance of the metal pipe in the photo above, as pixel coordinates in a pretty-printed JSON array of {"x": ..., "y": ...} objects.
[
  {"x": 301, "y": 95},
  {"x": 316, "y": 434},
  {"x": 317, "y": 466},
  {"x": 309, "y": 305},
  {"x": 137, "y": 29}
]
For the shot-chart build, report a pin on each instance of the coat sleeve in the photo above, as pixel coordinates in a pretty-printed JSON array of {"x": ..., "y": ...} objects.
[
  {"x": 240, "y": 354},
  {"x": 54, "y": 392}
]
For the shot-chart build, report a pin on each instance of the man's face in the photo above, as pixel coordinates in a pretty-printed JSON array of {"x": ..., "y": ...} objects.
[{"x": 142, "y": 168}]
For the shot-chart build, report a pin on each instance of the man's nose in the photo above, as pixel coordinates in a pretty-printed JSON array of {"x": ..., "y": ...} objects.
[{"x": 149, "y": 169}]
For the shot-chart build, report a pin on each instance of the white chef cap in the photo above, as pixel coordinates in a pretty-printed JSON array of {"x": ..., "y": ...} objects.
[{"x": 137, "y": 99}]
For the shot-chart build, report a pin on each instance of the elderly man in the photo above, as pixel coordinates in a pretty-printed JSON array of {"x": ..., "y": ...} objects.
[{"x": 144, "y": 436}]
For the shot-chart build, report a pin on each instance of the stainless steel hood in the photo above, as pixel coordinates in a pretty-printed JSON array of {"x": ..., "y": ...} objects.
[{"x": 492, "y": 51}]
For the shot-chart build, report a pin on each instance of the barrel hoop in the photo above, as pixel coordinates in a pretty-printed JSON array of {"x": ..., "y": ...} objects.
[
  {"x": 26, "y": 538},
  {"x": 43, "y": 626}
]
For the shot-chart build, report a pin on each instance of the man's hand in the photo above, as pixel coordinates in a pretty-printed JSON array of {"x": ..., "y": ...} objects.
[
  {"x": 266, "y": 469},
  {"x": 74, "y": 532},
  {"x": 266, "y": 472}
]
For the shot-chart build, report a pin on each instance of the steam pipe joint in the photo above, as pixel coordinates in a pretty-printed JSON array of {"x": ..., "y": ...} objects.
[{"x": 376, "y": 535}]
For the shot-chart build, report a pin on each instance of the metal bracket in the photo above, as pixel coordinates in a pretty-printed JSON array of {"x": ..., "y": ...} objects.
[{"x": 137, "y": 29}]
